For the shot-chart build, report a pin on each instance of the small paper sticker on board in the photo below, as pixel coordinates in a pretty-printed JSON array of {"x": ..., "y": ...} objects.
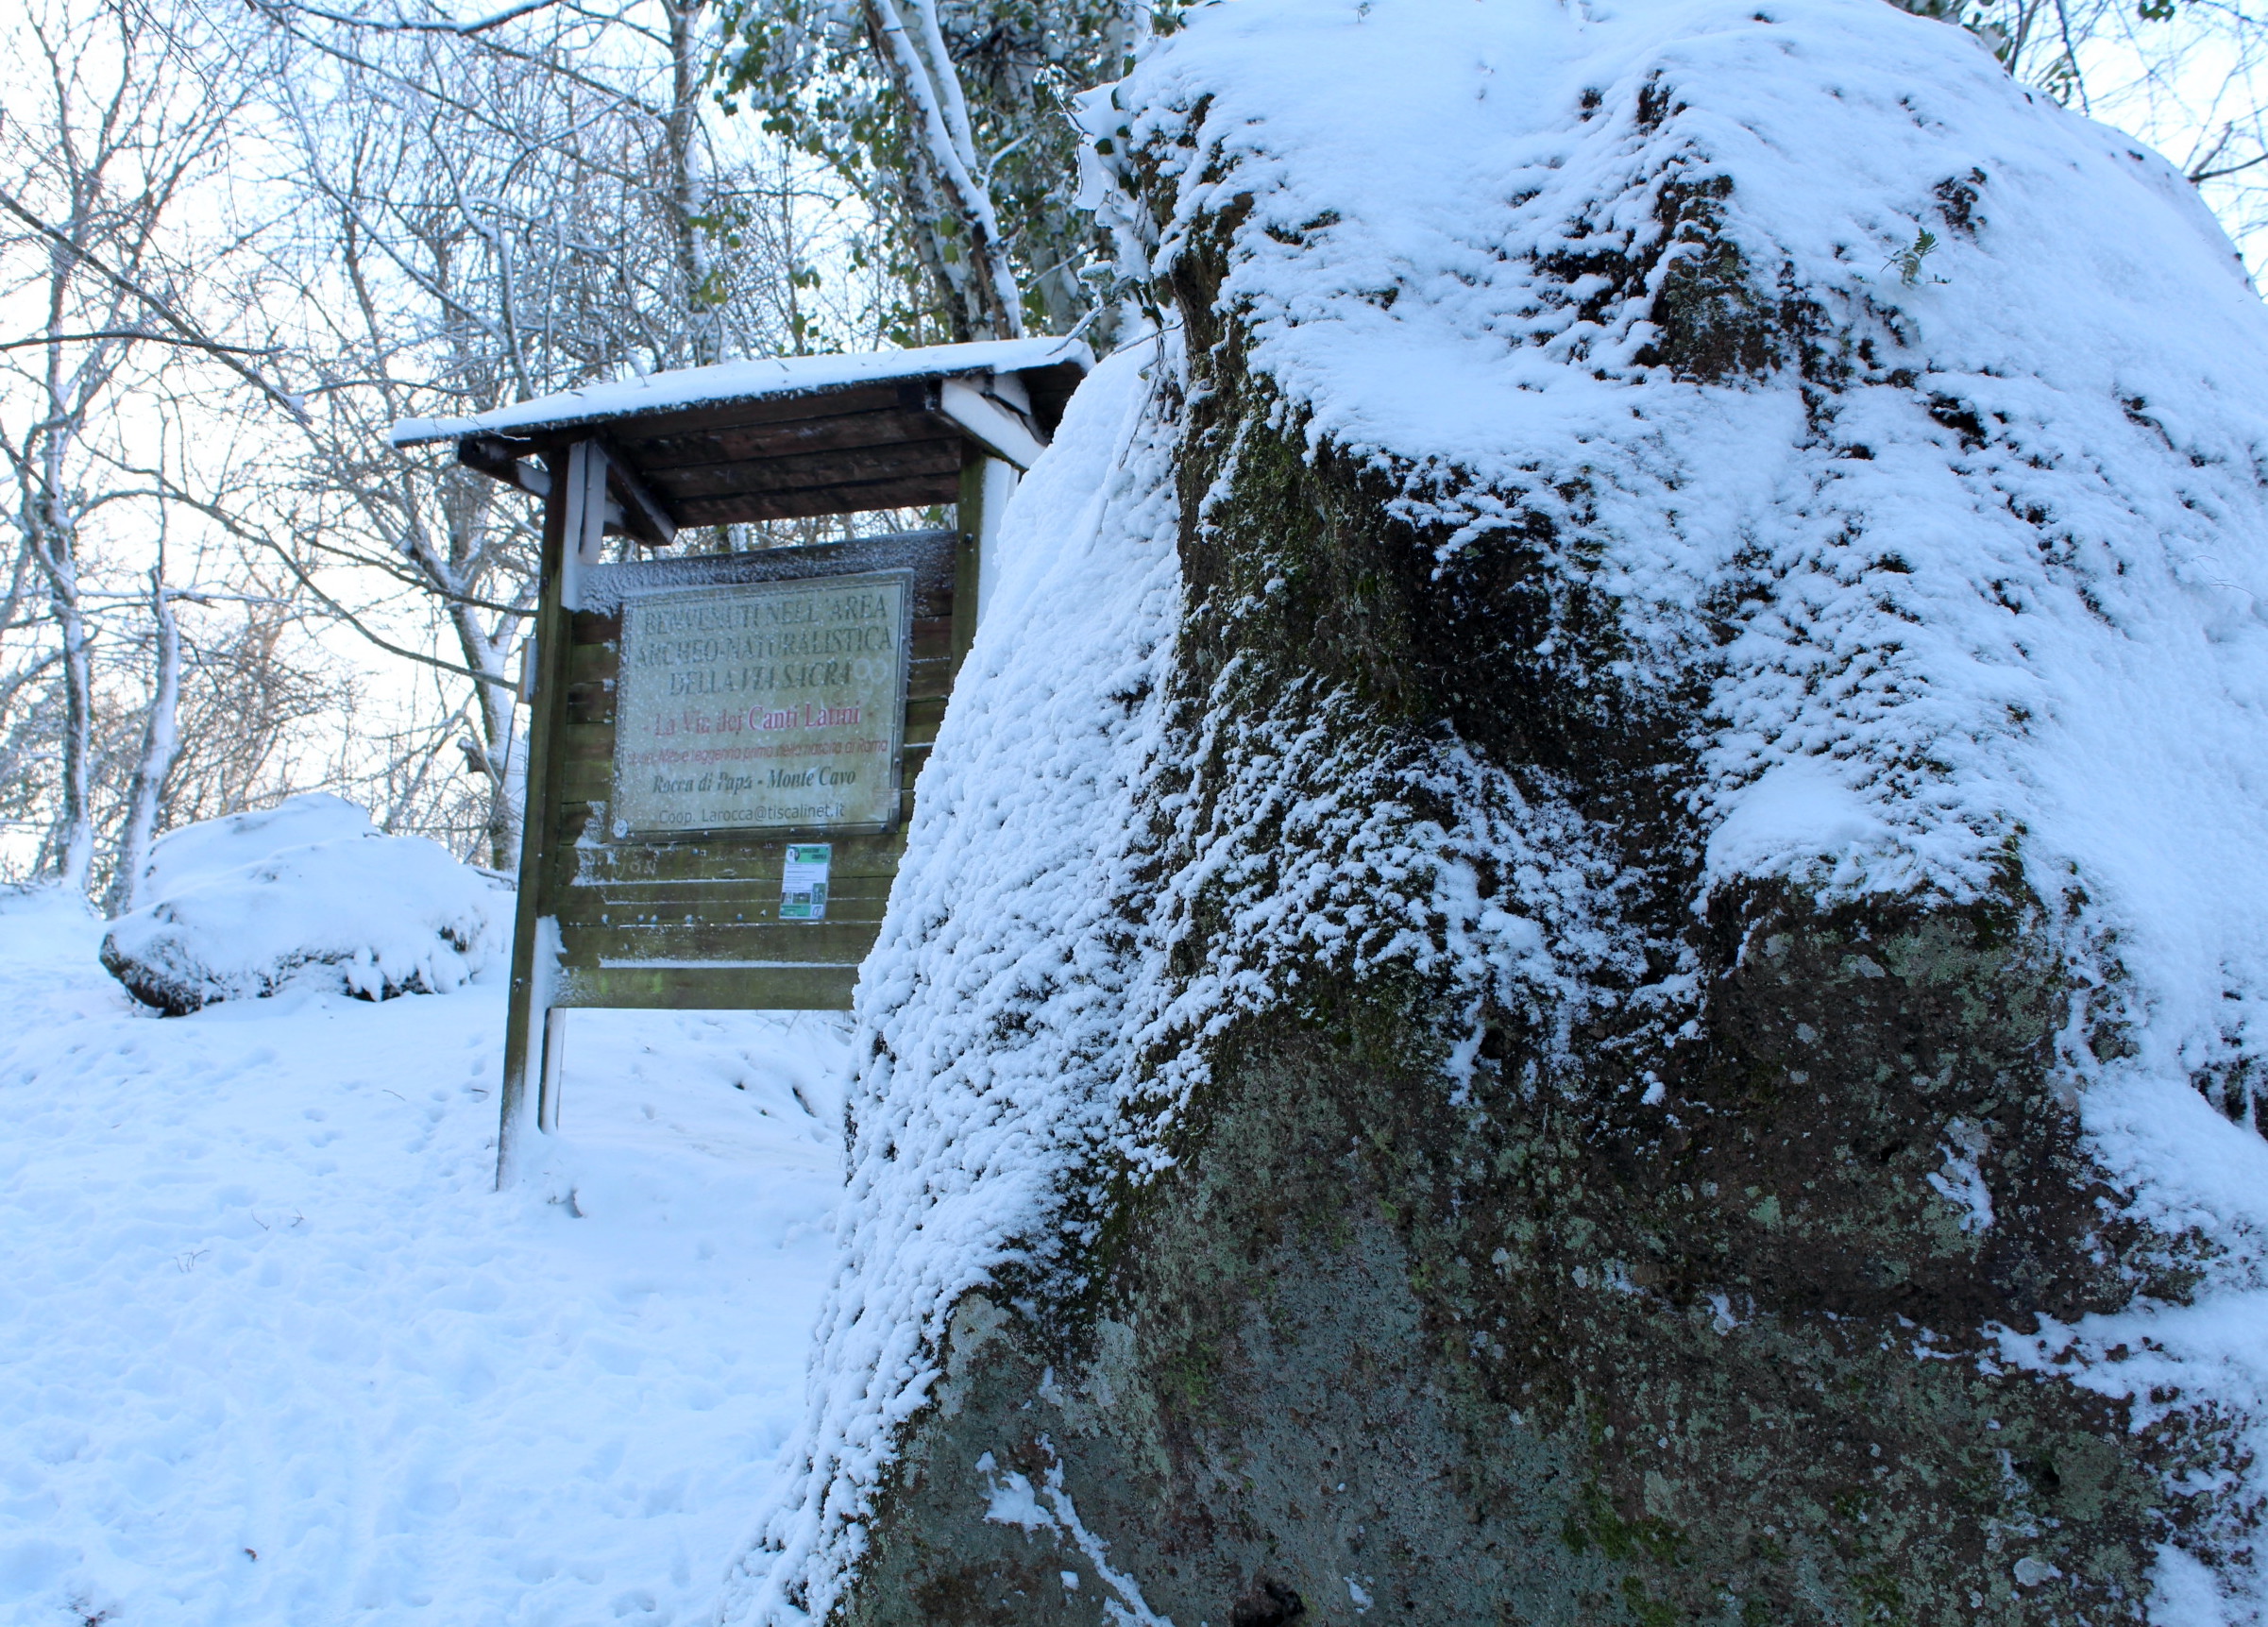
[{"x": 804, "y": 881}]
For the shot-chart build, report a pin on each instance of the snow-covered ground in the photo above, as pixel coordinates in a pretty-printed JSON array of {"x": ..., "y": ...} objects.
[{"x": 271, "y": 1351}]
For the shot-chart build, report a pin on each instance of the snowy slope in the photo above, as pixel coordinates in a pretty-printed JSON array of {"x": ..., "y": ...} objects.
[
  {"x": 273, "y": 1352},
  {"x": 1002, "y": 923}
]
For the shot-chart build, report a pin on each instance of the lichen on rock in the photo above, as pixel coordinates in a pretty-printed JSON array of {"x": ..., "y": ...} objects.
[{"x": 1558, "y": 959}]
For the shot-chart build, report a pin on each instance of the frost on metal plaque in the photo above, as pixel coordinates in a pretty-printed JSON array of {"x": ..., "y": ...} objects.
[{"x": 770, "y": 705}]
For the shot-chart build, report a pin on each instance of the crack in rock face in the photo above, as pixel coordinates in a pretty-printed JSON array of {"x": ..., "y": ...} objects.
[{"x": 1266, "y": 1603}]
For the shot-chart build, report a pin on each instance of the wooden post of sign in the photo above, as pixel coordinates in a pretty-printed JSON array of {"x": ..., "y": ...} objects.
[
  {"x": 574, "y": 516},
  {"x": 969, "y": 521},
  {"x": 986, "y": 483}
]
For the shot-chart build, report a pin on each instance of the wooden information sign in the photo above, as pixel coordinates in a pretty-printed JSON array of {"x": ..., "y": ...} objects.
[
  {"x": 763, "y": 705},
  {"x": 674, "y": 898},
  {"x": 723, "y": 748}
]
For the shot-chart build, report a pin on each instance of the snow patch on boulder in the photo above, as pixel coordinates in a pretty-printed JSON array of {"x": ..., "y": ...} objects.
[
  {"x": 306, "y": 892},
  {"x": 194, "y": 854}
]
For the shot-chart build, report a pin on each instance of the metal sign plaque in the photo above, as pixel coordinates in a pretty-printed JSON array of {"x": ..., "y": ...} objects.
[{"x": 763, "y": 705}]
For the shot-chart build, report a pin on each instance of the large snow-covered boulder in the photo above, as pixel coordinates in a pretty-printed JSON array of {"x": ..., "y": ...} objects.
[
  {"x": 1588, "y": 942},
  {"x": 307, "y": 892}
]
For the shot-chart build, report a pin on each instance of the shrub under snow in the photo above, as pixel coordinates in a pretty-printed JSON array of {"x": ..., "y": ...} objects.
[{"x": 306, "y": 890}]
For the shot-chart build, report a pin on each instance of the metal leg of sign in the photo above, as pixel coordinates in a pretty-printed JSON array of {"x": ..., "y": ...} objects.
[
  {"x": 555, "y": 1069},
  {"x": 574, "y": 520}
]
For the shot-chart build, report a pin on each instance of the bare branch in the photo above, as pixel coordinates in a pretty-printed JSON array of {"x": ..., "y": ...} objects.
[
  {"x": 141, "y": 334},
  {"x": 403, "y": 25},
  {"x": 160, "y": 308}
]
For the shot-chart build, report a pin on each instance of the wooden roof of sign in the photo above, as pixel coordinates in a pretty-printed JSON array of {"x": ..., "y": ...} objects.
[{"x": 783, "y": 438}]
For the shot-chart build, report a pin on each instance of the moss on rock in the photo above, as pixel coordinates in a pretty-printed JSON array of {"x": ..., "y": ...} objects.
[{"x": 1521, "y": 1361}]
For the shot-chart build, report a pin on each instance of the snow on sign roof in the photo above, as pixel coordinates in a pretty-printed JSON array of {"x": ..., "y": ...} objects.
[
  {"x": 787, "y": 437},
  {"x": 747, "y": 381}
]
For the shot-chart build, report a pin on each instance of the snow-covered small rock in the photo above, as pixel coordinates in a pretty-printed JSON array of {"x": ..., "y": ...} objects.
[
  {"x": 305, "y": 892},
  {"x": 194, "y": 853}
]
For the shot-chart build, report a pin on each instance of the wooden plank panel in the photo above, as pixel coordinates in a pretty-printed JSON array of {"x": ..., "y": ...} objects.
[
  {"x": 746, "y": 897},
  {"x": 929, "y": 677},
  {"x": 851, "y": 463},
  {"x": 596, "y": 702},
  {"x": 584, "y": 915},
  {"x": 594, "y": 663},
  {"x": 829, "y": 942},
  {"x": 843, "y": 498},
  {"x": 726, "y": 858},
  {"x": 587, "y": 781},
  {"x": 758, "y": 897},
  {"x": 724, "y": 897},
  {"x": 798, "y": 988},
  {"x": 587, "y": 743},
  {"x": 840, "y": 431},
  {"x": 723, "y": 902},
  {"x": 713, "y": 418},
  {"x": 932, "y": 640}
]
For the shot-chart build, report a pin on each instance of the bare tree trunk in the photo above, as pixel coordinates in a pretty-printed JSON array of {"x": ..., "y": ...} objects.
[
  {"x": 687, "y": 188},
  {"x": 76, "y": 849},
  {"x": 52, "y": 526},
  {"x": 491, "y": 654},
  {"x": 159, "y": 742},
  {"x": 53, "y": 545},
  {"x": 973, "y": 256}
]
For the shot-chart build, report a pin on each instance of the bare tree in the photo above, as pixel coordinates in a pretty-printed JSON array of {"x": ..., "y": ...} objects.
[
  {"x": 161, "y": 745},
  {"x": 486, "y": 213},
  {"x": 115, "y": 124}
]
